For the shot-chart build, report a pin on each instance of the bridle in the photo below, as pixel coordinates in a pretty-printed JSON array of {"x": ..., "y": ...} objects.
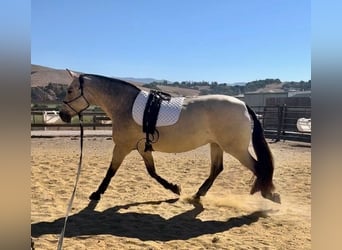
[{"x": 68, "y": 103}]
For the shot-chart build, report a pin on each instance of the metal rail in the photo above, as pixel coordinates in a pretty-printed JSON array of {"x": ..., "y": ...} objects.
[{"x": 279, "y": 122}]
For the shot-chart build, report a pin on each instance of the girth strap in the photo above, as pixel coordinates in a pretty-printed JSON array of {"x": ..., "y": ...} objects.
[{"x": 150, "y": 117}]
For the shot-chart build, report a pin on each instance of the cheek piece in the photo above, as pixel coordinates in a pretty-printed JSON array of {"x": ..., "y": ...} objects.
[{"x": 69, "y": 103}]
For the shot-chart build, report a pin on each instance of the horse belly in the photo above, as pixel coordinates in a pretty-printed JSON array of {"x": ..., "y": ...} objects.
[
  {"x": 175, "y": 139},
  {"x": 191, "y": 131}
]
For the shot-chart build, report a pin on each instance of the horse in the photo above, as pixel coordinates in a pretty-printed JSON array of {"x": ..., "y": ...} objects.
[{"x": 222, "y": 121}]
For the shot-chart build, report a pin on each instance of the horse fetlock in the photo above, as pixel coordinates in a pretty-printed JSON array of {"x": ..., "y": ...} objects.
[
  {"x": 194, "y": 200},
  {"x": 95, "y": 196}
]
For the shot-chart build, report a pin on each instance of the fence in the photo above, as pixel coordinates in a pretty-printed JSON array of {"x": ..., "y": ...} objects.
[
  {"x": 279, "y": 122},
  {"x": 91, "y": 119}
]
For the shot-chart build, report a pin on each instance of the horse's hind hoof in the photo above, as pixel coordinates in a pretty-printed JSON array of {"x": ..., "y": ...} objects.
[
  {"x": 95, "y": 196},
  {"x": 275, "y": 197}
]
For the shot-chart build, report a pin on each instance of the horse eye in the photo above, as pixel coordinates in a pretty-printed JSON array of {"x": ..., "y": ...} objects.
[{"x": 69, "y": 91}]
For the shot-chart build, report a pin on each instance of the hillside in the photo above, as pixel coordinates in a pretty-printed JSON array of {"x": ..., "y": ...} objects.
[
  {"x": 49, "y": 85},
  {"x": 42, "y": 76}
]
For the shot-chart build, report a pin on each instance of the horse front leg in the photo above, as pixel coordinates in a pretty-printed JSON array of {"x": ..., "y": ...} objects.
[
  {"x": 149, "y": 163},
  {"x": 216, "y": 154},
  {"x": 119, "y": 154}
]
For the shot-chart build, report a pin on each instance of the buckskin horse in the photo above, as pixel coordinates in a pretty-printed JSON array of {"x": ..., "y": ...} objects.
[{"x": 222, "y": 121}]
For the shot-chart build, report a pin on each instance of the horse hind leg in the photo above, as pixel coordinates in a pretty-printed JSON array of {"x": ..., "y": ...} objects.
[
  {"x": 247, "y": 160},
  {"x": 149, "y": 163},
  {"x": 216, "y": 154}
]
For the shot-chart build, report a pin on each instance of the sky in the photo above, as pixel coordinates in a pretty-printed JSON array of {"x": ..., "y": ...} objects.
[{"x": 176, "y": 40}]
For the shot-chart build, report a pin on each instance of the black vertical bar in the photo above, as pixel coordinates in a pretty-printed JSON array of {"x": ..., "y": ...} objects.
[
  {"x": 283, "y": 118},
  {"x": 280, "y": 114}
]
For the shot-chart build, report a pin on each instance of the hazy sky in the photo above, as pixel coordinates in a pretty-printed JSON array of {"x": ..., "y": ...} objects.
[{"x": 218, "y": 40}]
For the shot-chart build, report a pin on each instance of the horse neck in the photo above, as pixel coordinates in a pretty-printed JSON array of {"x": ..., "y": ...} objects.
[{"x": 114, "y": 97}]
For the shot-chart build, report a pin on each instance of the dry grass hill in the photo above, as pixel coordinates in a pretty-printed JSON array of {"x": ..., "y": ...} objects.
[
  {"x": 49, "y": 85},
  {"x": 42, "y": 76}
]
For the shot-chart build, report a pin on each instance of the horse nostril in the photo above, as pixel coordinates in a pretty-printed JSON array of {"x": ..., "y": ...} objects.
[{"x": 65, "y": 117}]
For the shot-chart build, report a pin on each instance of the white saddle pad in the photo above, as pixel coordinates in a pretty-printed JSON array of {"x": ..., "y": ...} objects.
[{"x": 168, "y": 114}]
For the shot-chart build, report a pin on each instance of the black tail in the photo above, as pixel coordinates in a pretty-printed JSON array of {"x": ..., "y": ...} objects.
[{"x": 264, "y": 167}]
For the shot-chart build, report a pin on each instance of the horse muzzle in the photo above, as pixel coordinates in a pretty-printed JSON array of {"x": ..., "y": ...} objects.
[{"x": 65, "y": 116}]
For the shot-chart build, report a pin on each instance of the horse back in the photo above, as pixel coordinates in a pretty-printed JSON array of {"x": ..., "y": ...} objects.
[
  {"x": 206, "y": 119},
  {"x": 213, "y": 107}
]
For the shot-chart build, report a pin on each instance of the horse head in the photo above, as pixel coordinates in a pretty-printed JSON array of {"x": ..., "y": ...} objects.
[{"x": 74, "y": 102}]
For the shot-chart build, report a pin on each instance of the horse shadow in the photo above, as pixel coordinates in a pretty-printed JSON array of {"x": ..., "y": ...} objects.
[{"x": 142, "y": 226}]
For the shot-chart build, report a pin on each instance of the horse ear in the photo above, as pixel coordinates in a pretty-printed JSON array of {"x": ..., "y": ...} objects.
[{"x": 72, "y": 73}]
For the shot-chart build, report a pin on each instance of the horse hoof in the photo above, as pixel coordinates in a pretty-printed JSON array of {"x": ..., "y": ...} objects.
[
  {"x": 276, "y": 198},
  {"x": 95, "y": 196},
  {"x": 176, "y": 189}
]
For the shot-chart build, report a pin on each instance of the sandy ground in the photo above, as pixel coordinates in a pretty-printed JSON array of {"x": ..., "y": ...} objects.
[{"x": 138, "y": 213}]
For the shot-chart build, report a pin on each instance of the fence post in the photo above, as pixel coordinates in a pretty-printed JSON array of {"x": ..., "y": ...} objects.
[
  {"x": 94, "y": 120},
  {"x": 283, "y": 118},
  {"x": 280, "y": 115},
  {"x": 263, "y": 117}
]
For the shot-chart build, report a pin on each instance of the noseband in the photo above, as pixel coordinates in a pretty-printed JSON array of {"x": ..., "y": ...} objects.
[{"x": 68, "y": 103}]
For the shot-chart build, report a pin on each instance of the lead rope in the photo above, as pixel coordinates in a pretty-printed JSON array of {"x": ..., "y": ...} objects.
[{"x": 61, "y": 237}]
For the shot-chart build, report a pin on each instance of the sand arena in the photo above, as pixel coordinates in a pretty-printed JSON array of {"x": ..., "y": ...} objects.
[{"x": 138, "y": 213}]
